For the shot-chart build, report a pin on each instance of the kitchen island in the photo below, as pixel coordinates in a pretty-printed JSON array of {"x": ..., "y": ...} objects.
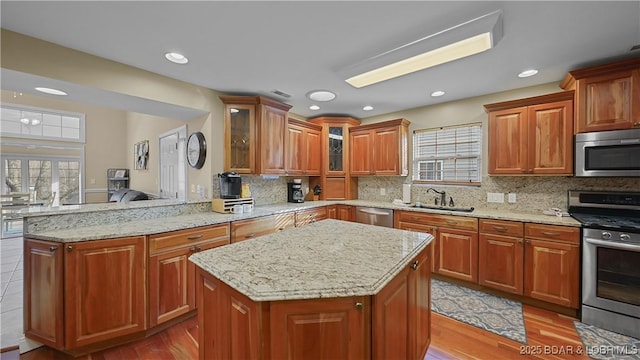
[{"x": 332, "y": 289}]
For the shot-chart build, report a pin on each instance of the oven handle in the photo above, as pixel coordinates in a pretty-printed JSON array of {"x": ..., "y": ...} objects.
[{"x": 613, "y": 245}]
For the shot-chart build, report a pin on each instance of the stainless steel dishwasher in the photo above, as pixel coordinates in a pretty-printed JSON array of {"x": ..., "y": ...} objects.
[{"x": 374, "y": 216}]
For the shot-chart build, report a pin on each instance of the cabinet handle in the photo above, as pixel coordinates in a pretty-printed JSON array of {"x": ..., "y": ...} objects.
[
  {"x": 637, "y": 123},
  {"x": 53, "y": 248},
  {"x": 519, "y": 241},
  {"x": 359, "y": 306},
  {"x": 548, "y": 233},
  {"x": 195, "y": 237},
  {"x": 415, "y": 218},
  {"x": 69, "y": 248},
  {"x": 451, "y": 222},
  {"x": 280, "y": 229},
  {"x": 414, "y": 265},
  {"x": 499, "y": 228},
  {"x": 198, "y": 248},
  {"x": 192, "y": 249},
  {"x": 250, "y": 235}
]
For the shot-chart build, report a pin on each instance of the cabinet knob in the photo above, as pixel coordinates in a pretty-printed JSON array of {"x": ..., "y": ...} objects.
[
  {"x": 53, "y": 248},
  {"x": 192, "y": 249},
  {"x": 519, "y": 241},
  {"x": 414, "y": 265},
  {"x": 359, "y": 306},
  {"x": 637, "y": 123},
  {"x": 69, "y": 248}
]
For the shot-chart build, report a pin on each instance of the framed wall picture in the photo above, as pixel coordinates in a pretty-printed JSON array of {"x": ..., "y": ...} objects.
[{"x": 141, "y": 155}]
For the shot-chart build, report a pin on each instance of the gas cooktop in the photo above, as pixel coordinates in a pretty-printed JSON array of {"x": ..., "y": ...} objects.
[{"x": 606, "y": 209}]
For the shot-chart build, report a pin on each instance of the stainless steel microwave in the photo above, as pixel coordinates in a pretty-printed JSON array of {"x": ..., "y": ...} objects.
[{"x": 608, "y": 153}]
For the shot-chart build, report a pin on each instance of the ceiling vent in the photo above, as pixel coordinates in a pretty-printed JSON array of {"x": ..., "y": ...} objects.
[{"x": 281, "y": 93}]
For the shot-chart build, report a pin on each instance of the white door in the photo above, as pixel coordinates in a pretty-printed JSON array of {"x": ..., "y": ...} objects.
[{"x": 172, "y": 164}]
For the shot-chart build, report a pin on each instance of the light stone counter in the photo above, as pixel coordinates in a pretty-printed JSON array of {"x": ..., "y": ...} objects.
[{"x": 330, "y": 258}]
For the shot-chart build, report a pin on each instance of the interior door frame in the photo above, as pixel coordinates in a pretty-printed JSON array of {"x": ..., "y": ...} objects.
[{"x": 182, "y": 160}]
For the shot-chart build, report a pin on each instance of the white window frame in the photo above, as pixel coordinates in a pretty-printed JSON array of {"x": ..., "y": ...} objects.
[
  {"x": 81, "y": 116},
  {"x": 419, "y": 158}
]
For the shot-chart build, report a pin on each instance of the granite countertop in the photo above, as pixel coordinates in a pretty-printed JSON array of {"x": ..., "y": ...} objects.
[
  {"x": 330, "y": 258},
  {"x": 179, "y": 222}
]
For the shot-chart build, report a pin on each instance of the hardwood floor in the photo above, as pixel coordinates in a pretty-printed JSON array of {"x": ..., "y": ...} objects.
[{"x": 547, "y": 334}]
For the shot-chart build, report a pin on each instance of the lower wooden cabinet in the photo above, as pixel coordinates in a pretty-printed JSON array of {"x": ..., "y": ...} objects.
[
  {"x": 251, "y": 228},
  {"x": 82, "y": 293},
  {"x": 310, "y": 216},
  {"x": 171, "y": 275},
  {"x": 412, "y": 221},
  {"x": 341, "y": 212},
  {"x": 457, "y": 252},
  {"x": 552, "y": 268},
  {"x": 501, "y": 255}
]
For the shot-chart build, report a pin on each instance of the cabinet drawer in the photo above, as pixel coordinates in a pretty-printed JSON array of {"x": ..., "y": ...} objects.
[
  {"x": 305, "y": 217},
  {"x": 251, "y": 228},
  {"x": 451, "y": 221},
  {"x": 553, "y": 232},
  {"x": 501, "y": 227},
  {"x": 188, "y": 237}
]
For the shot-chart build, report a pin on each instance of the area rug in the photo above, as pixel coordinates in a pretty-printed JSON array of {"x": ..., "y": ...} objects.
[
  {"x": 488, "y": 312},
  {"x": 604, "y": 344}
]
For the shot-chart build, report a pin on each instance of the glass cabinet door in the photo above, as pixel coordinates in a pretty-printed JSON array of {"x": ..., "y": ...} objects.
[
  {"x": 336, "y": 149},
  {"x": 240, "y": 138}
]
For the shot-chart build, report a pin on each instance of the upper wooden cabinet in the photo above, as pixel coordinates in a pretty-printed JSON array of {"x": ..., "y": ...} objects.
[
  {"x": 532, "y": 136},
  {"x": 607, "y": 96},
  {"x": 304, "y": 150},
  {"x": 255, "y": 129},
  {"x": 380, "y": 148}
]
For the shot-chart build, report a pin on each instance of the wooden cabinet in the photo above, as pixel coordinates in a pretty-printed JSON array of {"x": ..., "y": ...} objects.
[
  {"x": 255, "y": 135},
  {"x": 551, "y": 271},
  {"x": 607, "y": 96},
  {"x": 341, "y": 212},
  {"x": 379, "y": 149},
  {"x": 310, "y": 216},
  {"x": 416, "y": 221},
  {"x": 401, "y": 321},
  {"x": 335, "y": 180},
  {"x": 501, "y": 255},
  {"x": 171, "y": 276},
  {"x": 333, "y": 328},
  {"x": 44, "y": 280},
  {"x": 304, "y": 150},
  {"x": 251, "y": 228},
  {"x": 532, "y": 136},
  {"x": 79, "y": 294},
  {"x": 104, "y": 290}
]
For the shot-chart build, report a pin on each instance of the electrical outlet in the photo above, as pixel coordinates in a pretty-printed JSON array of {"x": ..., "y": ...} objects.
[
  {"x": 193, "y": 188},
  {"x": 495, "y": 197},
  {"x": 92, "y": 181},
  {"x": 383, "y": 191},
  {"x": 512, "y": 197}
]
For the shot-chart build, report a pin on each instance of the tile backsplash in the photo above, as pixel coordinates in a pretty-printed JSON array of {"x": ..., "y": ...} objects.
[{"x": 533, "y": 194}]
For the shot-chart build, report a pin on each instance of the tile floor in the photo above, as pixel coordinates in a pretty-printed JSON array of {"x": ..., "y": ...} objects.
[{"x": 11, "y": 273}]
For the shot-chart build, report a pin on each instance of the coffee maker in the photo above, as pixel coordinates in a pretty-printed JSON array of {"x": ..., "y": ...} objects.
[
  {"x": 230, "y": 185},
  {"x": 294, "y": 192}
]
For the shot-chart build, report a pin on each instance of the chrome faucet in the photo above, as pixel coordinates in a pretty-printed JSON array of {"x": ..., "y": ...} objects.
[{"x": 443, "y": 196}]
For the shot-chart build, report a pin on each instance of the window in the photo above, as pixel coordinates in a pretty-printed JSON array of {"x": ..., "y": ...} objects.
[
  {"x": 448, "y": 155},
  {"x": 35, "y": 123}
]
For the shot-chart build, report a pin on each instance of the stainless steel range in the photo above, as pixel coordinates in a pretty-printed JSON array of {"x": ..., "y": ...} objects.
[{"x": 610, "y": 258}]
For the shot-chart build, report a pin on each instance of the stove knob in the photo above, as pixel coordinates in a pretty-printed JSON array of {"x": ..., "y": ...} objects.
[
  {"x": 625, "y": 237},
  {"x": 606, "y": 235}
]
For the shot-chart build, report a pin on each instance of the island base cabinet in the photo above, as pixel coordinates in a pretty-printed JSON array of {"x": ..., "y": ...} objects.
[
  {"x": 43, "y": 286},
  {"x": 320, "y": 329}
]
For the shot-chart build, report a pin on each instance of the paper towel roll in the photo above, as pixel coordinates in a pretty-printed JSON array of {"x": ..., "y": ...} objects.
[{"x": 406, "y": 193}]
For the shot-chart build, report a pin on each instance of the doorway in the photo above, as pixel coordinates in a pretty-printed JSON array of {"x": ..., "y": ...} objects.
[{"x": 173, "y": 170}]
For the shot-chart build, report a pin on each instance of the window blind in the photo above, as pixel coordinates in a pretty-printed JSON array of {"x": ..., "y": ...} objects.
[{"x": 448, "y": 154}]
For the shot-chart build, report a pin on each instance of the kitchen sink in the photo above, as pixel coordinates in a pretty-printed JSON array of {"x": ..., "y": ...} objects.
[{"x": 443, "y": 208}]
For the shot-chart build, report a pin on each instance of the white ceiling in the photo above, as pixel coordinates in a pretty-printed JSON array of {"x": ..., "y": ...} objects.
[{"x": 245, "y": 47}]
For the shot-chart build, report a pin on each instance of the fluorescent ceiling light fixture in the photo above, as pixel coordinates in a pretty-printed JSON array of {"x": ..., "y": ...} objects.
[
  {"x": 457, "y": 42},
  {"x": 176, "y": 58},
  {"x": 321, "y": 95},
  {"x": 51, "y": 91},
  {"x": 25, "y": 121},
  {"x": 367, "y": 108},
  {"x": 528, "y": 73},
  {"x": 314, "y": 107},
  {"x": 437, "y": 93}
]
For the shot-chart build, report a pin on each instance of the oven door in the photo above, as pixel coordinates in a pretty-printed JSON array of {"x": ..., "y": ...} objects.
[{"x": 611, "y": 276}]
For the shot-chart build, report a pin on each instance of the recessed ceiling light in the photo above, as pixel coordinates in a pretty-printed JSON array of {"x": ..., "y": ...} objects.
[
  {"x": 528, "y": 73},
  {"x": 367, "y": 108},
  {"x": 437, "y": 93},
  {"x": 176, "y": 58},
  {"x": 314, "y": 107},
  {"x": 321, "y": 95},
  {"x": 51, "y": 91}
]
